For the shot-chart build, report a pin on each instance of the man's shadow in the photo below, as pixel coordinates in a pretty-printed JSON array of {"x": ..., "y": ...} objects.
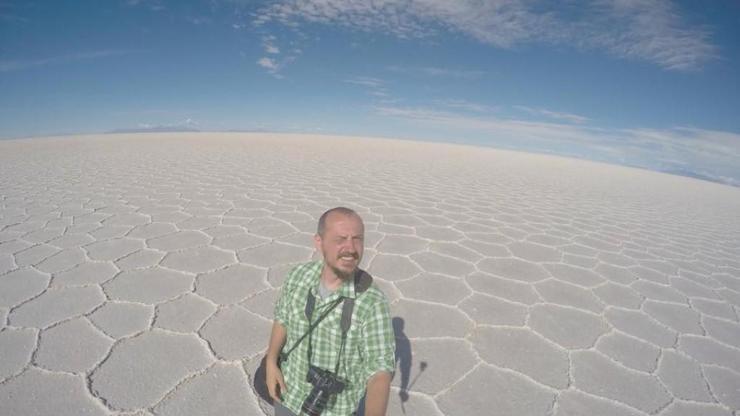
[{"x": 403, "y": 357}]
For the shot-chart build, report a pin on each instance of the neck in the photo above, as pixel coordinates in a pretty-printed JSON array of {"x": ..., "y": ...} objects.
[{"x": 330, "y": 279}]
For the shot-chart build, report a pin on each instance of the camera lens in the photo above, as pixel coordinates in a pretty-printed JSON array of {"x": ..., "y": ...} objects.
[{"x": 315, "y": 403}]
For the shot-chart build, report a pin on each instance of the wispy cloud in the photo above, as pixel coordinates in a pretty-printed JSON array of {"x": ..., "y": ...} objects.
[
  {"x": 10, "y": 17},
  {"x": 466, "y": 105},
  {"x": 268, "y": 63},
  {"x": 160, "y": 113},
  {"x": 268, "y": 43},
  {"x": 504, "y": 127},
  {"x": 21, "y": 64},
  {"x": 366, "y": 82},
  {"x": 199, "y": 20},
  {"x": 649, "y": 30},
  {"x": 554, "y": 115},
  {"x": 275, "y": 61},
  {"x": 188, "y": 122},
  {"x": 374, "y": 87},
  {"x": 438, "y": 72},
  {"x": 187, "y": 125},
  {"x": 702, "y": 153},
  {"x": 153, "y": 5}
]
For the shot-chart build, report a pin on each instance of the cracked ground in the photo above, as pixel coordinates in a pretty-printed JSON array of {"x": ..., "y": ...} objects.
[{"x": 138, "y": 274}]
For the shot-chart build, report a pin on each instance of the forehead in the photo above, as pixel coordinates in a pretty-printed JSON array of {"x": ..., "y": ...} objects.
[{"x": 338, "y": 222}]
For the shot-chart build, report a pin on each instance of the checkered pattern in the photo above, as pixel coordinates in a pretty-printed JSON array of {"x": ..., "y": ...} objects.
[{"x": 370, "y": 345}]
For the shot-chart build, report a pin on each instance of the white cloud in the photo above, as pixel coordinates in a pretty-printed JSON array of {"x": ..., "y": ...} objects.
[
  {"x": 153, "y": 5},
  {"x": 466, "y": 105},
  {"x": 438, "y": 72},
  {"x": 373, "y": 86},
  {"x": 651, "y": 30},
  {"x": 648, "y": 30},
  {"x": 366, "y": 82},
  {"x": 704, "y": 153},
  {"x": 554, "y": 115},
  {"x": 199, "y": 20},
  {"x": 702, "y": 142},
  {"x": 188, "y": 122},
  {"x": 502, "y": 127},
  {"x": 21, "y": 64},
  {"x": 268, "y": 43},
  {"x": 276, "y": 60},
  {"x": 186, "y": 125},
  {"x": 7, "y": 15},
  {"x": 268, "y": 63}
]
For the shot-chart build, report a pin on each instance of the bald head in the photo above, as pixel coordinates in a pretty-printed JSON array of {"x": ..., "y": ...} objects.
[{"x": 347, "y": 212}]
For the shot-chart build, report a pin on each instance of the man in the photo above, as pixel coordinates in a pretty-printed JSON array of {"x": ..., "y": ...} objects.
[{"x": 366, "y": 361}]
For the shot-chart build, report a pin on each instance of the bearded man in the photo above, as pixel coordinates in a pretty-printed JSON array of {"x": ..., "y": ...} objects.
[{"x": 322, "y": 358}]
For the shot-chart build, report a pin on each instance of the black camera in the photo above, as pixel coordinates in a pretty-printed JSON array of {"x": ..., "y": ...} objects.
[{"x": 325, "y": 384}]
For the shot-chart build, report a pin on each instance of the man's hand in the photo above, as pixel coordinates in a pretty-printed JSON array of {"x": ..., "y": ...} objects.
[
  {"x": 274, "y": 380},
  {"x": 273, "y": 375}
]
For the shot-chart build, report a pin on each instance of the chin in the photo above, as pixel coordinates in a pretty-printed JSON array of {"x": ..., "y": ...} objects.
[
  {"x": 347, "y": 273},
  {"x": 344, "y": 273}
]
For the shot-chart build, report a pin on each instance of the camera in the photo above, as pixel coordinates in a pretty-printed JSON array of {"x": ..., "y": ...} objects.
[{"x": 325, "y": 384}]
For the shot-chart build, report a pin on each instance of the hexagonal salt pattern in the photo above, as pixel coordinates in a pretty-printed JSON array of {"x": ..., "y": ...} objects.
[
  {"x": 519, "y": 284},
  {"x": 141, "y": 370}
]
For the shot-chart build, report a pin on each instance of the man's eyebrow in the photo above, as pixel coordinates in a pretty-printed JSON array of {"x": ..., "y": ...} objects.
[{"x": 350, "y": 236}]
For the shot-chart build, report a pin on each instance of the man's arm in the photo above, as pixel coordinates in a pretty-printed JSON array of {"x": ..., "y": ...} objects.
[
  {"x": 273, "y": 375},
  {"x": 378, "y": 389},
  {"x": 378, "y": 352}
]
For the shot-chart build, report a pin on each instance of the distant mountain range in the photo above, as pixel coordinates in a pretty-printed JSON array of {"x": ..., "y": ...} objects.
[
  {"x": 154, "y": 129},
  {"x": 181, "y": 129}
]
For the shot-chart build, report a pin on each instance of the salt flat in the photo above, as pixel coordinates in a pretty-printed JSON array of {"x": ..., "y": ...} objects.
[{"x": 138, "y": 273}]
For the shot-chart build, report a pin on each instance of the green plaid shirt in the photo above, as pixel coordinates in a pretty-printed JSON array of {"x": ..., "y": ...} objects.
[{"x": 370, "y": 345}]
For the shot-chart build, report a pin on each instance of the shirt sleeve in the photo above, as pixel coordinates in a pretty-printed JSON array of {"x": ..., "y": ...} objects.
[
  {"x": 281, "y": 312},
  {"x": 379, "y": 346}
]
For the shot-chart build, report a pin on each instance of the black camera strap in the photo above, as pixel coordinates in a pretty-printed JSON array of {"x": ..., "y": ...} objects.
[
  {"x": 284, "y": 355},
  {"x": 349, "y": 305},
  {"x": 347, "y": 309}
]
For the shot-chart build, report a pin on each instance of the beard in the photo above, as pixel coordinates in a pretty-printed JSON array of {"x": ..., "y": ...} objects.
[{"x": 342, "y": 274}]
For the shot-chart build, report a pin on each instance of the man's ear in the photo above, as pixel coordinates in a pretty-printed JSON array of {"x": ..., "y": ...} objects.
[{"x": 317, "y": 241}]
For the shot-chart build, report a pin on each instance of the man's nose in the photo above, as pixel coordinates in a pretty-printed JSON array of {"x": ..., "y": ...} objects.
[{"x": 349, "y": 246}]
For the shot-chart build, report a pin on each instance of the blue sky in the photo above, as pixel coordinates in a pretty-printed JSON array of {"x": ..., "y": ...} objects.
[{"x": 653, "y": 84}]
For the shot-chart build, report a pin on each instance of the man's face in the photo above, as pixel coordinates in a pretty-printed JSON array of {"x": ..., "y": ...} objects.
[{"x": 342, "y": 243}]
